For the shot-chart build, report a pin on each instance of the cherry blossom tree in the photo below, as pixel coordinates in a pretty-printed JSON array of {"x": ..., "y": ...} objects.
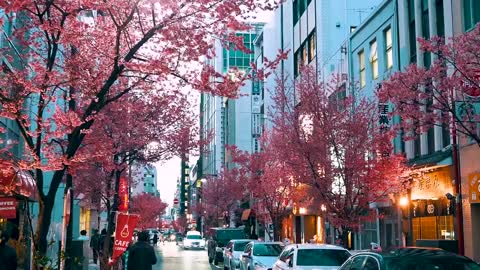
[
  {"x": 447, "y": 90},
  {"x": 335, "y": 147},
  {"x": 270, "y": 183},
  {"x": 149, "y": 208},
  {"x": 220, "y": 196},
  {"x": 84, "y": 56}
]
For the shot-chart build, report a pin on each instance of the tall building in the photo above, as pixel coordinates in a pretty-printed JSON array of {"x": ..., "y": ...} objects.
[
  {"x": 387, "y": 42},
  {"x": 145, "y": 179},
  {"x": 313, "y": 33},
  {"x": 373, "y": 57},
  {"x": 228, "y": 121}
]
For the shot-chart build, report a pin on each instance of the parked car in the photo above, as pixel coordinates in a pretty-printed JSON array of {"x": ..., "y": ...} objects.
[
  {"x": 193, "y": 240},
  {"x": 219, "y": 237},
  {"x": 311, "y": 256},
  {"x": 260, "y": 255},
  {"x": 409, "y": 259},
  {"x": 232, "y": 253}
]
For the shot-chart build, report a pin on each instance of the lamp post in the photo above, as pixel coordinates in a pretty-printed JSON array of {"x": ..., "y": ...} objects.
[{"x": 404, "y": 203}]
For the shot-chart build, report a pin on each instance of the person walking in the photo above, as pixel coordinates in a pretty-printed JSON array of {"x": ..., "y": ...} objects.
[
  {"x": 141, "y": 255},
  {"x": 155, "y": 239},
  {"x": 94, "y": 245},
  {"x": 83, "y": 236},
  {"x": 8, "y": 255}
]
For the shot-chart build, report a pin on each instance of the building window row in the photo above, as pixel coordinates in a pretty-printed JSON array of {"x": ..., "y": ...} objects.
[
  {"x": 305, "y": 53},
  {"x": 299, "y": 7},
  {"x": 471, "y": 13}
]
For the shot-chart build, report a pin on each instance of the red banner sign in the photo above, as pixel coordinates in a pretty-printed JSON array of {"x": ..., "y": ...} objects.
[
  {"x": 123, "y": 233},
  {"x": 8, "y": 207},
  {"x": 123, "y": 194}
]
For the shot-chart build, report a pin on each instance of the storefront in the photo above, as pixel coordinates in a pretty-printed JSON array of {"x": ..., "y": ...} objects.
[
  {"x": 431, "y": 210},
  {"x": 17, "y": 194}
]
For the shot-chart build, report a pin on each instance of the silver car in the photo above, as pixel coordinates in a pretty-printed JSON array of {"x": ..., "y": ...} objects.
[
  {"x": 260, "y": 255},
  {"x": 310, "y": 256},
  {"x": 232, "y": 252}
]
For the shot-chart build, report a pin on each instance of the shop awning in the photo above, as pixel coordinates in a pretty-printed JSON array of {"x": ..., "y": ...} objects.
[
  {"x": 246, "y": 214},
  {"x": 16, "y": 182}
]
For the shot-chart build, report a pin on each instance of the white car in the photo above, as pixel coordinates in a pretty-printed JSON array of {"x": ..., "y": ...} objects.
[
  {"x": 232, "y": 252},
  {"x": 260, "y": 255},
  {"x": 311, "y": 256},
  {"x": 193, "y": 240}
]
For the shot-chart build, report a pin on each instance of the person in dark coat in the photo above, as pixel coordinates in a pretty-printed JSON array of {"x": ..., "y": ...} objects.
[
  {"x": 155, "y": 239},
  {"x": 8, "y": 255},
  {"x": 141, "y": 256}
]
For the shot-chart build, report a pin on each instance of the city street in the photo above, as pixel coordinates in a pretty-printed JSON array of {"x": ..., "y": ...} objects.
[{"x": 172, "y": 257}]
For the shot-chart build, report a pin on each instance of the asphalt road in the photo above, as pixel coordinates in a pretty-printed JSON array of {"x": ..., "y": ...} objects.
[{"x": 172, "y": 257}]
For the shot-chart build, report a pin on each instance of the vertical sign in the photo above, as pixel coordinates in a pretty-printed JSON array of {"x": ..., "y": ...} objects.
[
  {"x": 474, "y": 184},
  {"x": 383, "y": 121},
  {"x": 123, "y": 195},
  {"x": 8, "y": 207},
  {"x": 125, "y": 226}
]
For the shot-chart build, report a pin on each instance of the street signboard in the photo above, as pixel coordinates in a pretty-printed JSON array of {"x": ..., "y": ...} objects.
[
  {"x": 175, "y": 201},
  {"x": 474, "y": 181},
  {"x": 8, "y": 207}
]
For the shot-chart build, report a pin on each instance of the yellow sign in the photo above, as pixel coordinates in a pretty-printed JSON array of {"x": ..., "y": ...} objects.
[
  {"x": 432, "y": 185},
  {"x": 474, "y": 184}
]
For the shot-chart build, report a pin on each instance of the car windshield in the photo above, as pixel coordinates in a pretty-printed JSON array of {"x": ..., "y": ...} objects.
[
  {"x": 272, "y": 250},
  {"x": 194, "y": 237},
  {"x": 321, "y": 257},
  {"x": 415, "y": 263},
  {"x": 239, "y": 246}
]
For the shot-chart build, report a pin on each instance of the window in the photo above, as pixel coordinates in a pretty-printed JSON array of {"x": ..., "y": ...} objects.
[
  {"x": 371, "y": 264},
  {"x": 388, "y": 48},
  {"x": 357, "y": 263},
  {"x": 267, "y": 250},
  {"x": 361, "y": 63},
  {"x": 311, "y": 46},
  {"x": 411, "y": 31},
  {"x": 304, "y": 55},
  {"x": 239, "y": 246},
  {"x": 471, "y": 14},
  {"x": 295, "y": 12},
  {"x": 374, "y": 59},
  {"x": 328, "y": 257}
]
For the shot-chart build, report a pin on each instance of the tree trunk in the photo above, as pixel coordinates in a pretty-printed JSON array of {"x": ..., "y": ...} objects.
[
  {"x": 46, "y": 204},
  {"x": 111, "y": 221},
  {"x": 43, "y": 225}
]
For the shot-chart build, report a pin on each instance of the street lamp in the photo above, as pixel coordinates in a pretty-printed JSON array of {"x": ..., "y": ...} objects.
[{"x": 403, "y": 201}]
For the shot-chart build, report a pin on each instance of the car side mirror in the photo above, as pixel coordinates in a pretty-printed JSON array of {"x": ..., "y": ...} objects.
[{"x": 245, "y": 255}]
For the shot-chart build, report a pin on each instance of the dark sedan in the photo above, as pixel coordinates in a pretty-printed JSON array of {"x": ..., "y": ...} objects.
[{"x": 409, "y": 259}]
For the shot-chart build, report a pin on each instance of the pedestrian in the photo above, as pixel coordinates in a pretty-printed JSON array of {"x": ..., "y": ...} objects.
[
  {"x": 83, "y": 236},
  {"x": 94, "y": 245},
  {"x": 101, "y": 241},
  {"x": 141, "y": 255},
  {"x": 8, "y": 255},
  {"x": 155, "y": 239}
]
